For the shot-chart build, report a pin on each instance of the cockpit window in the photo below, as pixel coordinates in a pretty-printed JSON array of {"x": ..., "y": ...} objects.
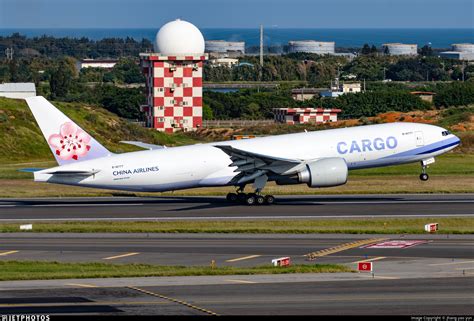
[{"x": 446, "y": 133}]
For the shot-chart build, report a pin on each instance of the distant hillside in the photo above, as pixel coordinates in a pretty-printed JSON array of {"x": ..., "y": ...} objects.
[{"x": 21, "y": 138}]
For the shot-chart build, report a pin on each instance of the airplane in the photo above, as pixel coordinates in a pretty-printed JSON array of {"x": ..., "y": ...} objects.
[{"x": 318, "y": 158}]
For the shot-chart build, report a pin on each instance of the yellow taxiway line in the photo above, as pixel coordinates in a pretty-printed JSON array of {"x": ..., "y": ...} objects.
[
  {"x": 7, "y": 253},
  {"x": 341, "y": 247},
  {"x": 370, "y": 260},
  {"x": 119, "y": 256},
  {"x": 243, "y": 258},
  {"x": 82, "y": 285}
]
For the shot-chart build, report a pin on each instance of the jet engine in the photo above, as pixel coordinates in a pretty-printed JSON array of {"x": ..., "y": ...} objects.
[{"x": 324, "y": 172}]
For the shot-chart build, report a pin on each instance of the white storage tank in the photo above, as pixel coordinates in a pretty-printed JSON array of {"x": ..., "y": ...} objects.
[
  {"x": 312, "y": 46},
  {"x": 401, "y": 49},
  {"x": 222, "y": 46},
  {"x": 463, "y": 47}
]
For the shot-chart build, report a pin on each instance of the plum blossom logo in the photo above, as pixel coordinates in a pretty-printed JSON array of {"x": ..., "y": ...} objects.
[{"x": 71, "y": 142}]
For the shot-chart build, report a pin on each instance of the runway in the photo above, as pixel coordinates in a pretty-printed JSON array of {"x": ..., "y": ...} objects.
[
  {"x": 215, "y": 208},
  {"x": 225, "y": 249},
  {"x": 435, "y": 276}
]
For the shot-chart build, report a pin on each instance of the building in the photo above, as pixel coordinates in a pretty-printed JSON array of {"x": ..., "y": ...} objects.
[
  {"x": 97, "y": 63},
  {"x": 337, "y": 89},
  {"x": 225, "y": 47},
  {"x": 174, "y": 78},
  {"x": 312, "y": 46},
  {"x": 460, "y": 51},
  {"x": 400, "y": 49},
  {"x": 424, "y": 95},
  {"x": 302, "y": 94},
  {"x": 305, "y": 115},
  {"x": 226, "y": 62},
  {"x": 18, "y": 90}
]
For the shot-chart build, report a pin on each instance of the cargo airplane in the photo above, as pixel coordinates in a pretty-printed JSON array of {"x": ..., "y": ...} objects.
[{"x": 318, "y": 159}]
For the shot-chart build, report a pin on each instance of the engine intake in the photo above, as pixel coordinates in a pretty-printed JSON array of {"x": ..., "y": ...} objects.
[{"x": 325, "y": 172}]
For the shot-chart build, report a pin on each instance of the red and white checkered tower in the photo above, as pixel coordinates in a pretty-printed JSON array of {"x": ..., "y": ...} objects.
[{"x": 174, "y": 78}]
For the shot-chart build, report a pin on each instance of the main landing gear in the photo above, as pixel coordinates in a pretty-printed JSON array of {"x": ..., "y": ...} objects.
[{"x": 250, "y": 199}]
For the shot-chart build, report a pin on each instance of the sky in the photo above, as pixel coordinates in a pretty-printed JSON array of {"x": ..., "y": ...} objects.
[{"x": 238, "y": 13}]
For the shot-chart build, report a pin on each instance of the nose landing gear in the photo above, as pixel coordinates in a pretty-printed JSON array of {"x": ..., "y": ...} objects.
[{"x": 424, "y": 165}]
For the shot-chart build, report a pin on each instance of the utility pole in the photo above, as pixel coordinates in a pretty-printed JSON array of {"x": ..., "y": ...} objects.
[
  {"x": 261, "y": 52},
  {"x": 261, "y": 45},
  {"x": 9, "y": 53}
]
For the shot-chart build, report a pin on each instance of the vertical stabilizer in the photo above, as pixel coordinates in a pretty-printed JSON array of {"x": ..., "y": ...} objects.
[{"x": 68, "y": 142}]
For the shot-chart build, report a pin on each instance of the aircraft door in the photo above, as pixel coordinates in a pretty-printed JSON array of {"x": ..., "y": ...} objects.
[{"x": 419, "y": 139}]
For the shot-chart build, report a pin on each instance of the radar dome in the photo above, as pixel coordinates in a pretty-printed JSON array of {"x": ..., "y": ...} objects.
[{"x": 179, "y": 37}]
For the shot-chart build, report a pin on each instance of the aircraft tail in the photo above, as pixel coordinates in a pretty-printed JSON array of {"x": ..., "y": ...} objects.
[{"x": 68, "y": 142}]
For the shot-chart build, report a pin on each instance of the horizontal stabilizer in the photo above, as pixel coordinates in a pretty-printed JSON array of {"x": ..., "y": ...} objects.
[
  {"x": 143, "y": 145},
  {"x": 30, "y": 170},
  {"x": 73, "y": 172}
]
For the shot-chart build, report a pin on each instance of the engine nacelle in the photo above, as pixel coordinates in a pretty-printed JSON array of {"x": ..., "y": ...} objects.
[{"x": 325, "y": 172}]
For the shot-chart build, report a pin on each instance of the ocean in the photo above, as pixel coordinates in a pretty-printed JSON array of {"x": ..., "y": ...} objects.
[{"x": 347, "y": 38}]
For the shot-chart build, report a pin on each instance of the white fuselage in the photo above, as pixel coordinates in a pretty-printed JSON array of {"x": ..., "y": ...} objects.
[{"x": 205, "y": 165}]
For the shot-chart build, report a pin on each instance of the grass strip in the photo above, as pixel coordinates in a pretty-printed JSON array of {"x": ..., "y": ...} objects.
[
  {"x": 38, "y": 270},
  {"x": 455, "y": 225}
]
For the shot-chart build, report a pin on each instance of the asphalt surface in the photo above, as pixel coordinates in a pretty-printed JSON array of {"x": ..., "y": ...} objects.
[
  {"x": 233, "y": 250},
  {"x": 429, "y": 296},
  {"x": 198, "y": 208},
  {"x": 432, "y": 277}
]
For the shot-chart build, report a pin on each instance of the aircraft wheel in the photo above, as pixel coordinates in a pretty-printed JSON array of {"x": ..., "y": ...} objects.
[
  {"x": 232, "y": 197},
  {"x": 241, "y": 197},
  {"x": 260, "y": 200},
  {"x": 269, "y": 199},
  {"x": 424, "y": 177},
  {"x": 250, "y": 200}
]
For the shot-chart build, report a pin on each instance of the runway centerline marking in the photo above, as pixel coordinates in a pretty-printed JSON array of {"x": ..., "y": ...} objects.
[
  {"x": 242, "y": 281},
  {"x": 82, "y": 285},
  {"x": 81, "y": 205},
  {"x": 7, "y": 253},
  {"x": 370, "y": 260},
  {"x": 243, "y": 258},
  {"x": 451, "y": 263},
  {"x": 119, "y": 256}
]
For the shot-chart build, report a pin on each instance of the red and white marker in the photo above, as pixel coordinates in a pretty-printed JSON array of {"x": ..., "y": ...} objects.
[
  {"x": 431, "y": 228},
  {"x": 282, "y": 261},
  {"x": 364, "y": 266}
]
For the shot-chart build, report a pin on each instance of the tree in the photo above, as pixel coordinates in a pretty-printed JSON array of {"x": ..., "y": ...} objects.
[
  {"x": 60, "y": 79},
  {"x": 365, "y": 49},
  {"x": 426, "y": 51}
]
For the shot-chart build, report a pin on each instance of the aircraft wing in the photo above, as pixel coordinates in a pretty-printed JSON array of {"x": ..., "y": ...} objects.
[
  {"x": 143, "y": 145},
  {"x": 252, "y": 165}
]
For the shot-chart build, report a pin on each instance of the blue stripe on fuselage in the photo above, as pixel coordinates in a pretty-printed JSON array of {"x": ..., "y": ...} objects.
[{"x": 428, "y": 148}]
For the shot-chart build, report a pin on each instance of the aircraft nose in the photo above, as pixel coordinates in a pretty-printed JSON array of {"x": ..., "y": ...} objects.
[{"x": 457, "y": 139}]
